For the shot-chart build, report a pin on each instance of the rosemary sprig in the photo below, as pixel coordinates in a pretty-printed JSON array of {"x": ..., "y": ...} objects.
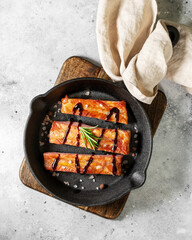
[{"x": 87, "y": 134}]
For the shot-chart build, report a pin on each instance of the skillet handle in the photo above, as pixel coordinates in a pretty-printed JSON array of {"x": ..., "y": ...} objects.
[
  {"x": 173, "y": 34},
  {"x": 38, "y": 103},
  {"x": 120, "y": 84}
]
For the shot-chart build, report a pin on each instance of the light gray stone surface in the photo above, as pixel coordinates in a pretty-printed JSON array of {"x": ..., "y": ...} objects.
[{"x": 35, "y": 38}]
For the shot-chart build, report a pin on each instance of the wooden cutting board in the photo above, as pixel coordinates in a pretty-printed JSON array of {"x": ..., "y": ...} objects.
[{"x": 75, "y": 67}]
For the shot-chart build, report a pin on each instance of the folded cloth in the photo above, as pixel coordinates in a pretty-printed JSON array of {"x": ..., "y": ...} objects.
[{"x": 136, "y": 49}]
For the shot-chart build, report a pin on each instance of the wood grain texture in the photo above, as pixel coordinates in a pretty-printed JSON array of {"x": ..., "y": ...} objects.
[{"x": 75, "y": 67}]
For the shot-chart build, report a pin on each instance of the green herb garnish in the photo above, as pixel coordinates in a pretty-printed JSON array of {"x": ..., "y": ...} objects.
[{"x": 87, "y": 134}]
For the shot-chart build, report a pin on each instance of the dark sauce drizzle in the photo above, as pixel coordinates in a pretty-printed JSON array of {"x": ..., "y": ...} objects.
[
  {"x": 54, "y": 164},
  {"x": 77, "y": 163},
  {"x": 113, "y": 110},
  {"x": 116, "y": 111},
  {"x": 114, "y": 148},
  {"x": 78, "y": 134},
  {"x": 79, "y": 107},
  {"x": 88, "y": 164},
  {"x": 67, "y": 131}
]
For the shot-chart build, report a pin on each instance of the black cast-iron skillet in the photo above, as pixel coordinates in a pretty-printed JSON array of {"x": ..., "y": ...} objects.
[{"x": 79, "y": 189}]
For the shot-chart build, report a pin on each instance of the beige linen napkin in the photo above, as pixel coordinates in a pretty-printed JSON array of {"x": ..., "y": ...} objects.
[{"x": 136, "y": 49}]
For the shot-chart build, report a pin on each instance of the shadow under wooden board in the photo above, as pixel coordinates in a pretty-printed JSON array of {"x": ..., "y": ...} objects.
[{"x": 76, "y": 67}]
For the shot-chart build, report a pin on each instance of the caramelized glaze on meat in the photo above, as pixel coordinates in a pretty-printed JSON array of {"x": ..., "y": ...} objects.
[
  {"x": 96, "y": 108},
  {"x": 59, "y": 128},
  {"x": 101, "y": 164}
]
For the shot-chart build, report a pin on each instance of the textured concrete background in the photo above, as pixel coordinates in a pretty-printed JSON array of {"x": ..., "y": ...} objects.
[{"x": 35, "y": 38}]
